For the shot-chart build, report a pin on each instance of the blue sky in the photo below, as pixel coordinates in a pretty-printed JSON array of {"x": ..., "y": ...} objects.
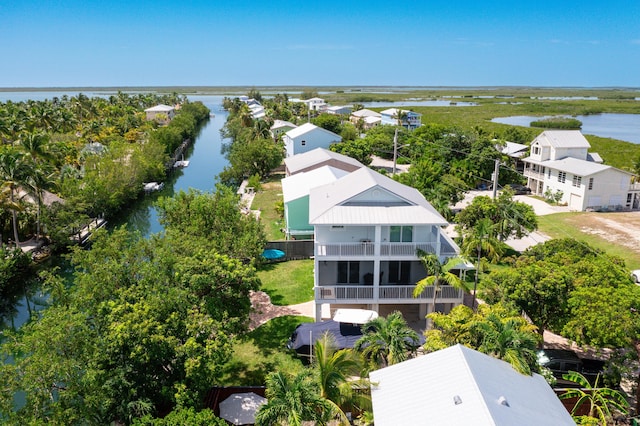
[{"x": 63, "y": 43}]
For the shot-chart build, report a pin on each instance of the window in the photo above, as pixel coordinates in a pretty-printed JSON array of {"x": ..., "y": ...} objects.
[
  {"x": 548, "y": 173},
  {"x": 348, "y": 272},
  {"x": 577, "y": 181},
  {"x": 303, "y": 143},
  {"x": 401, "y": 234},
  {"x": 562, "y": 176},
  {"x": 590, "y": 184},
  {"x": 536, "y": 150},
  {"x": 399, "y": 272}
]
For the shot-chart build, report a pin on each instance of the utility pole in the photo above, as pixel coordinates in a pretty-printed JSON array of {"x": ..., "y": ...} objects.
[
  {"x": 494, "y": 178},
  {"x": 395, "y": 151}
]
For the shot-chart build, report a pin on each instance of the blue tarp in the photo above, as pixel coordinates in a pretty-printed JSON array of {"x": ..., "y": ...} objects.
[{"x": 272, "y": 254}]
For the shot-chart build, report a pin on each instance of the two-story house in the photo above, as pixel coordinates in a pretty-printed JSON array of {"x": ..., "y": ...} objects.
[
  {"x": 368, "y": 228},
  {"x": 559, "y": 162},
  {"x": 394, "y": 116},
  {"x": 308, "y": 137}
]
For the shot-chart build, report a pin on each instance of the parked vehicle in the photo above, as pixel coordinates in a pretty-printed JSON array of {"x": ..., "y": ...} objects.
[
  {"x": 561, "y": 361},
  {"x": 519, "y": 189},
  {"x": 635, "y": 274}
]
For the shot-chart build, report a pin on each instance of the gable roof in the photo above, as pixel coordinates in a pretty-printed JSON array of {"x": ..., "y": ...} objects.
[
  {"x": 365, "y": 113},
  {"x": 317, "y": 156},
  {"x": 308, "y": 128},
  {"x": 393, "y": 112},
  {"x": 160, "y": 108},
  {"x": 327, "y": 203},
  {"x": 579, "y": 167},
  {"x": 513, "y": 149},
  {"x": 460, "y": 386},
  {"x": 299, "y": 185},
  {"x": 562, "y": 139},
  {"x": 277, "y": 124}
]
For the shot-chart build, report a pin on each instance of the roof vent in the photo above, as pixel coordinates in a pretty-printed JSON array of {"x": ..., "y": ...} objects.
[
  {"x": 503, "y": 401},
  {"x": 457, "y": 400}
]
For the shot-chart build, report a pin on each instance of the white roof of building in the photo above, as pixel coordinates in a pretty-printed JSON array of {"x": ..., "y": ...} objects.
[
  {"x": 366, "y": 113},
  {"x": 307, "y": 128},
  {"x": 562, "y": 139},
  {"x": 574, "y": 166},
  {"x": 278, "y": 124},
  {"x": 354, "y": 316},
  {"x": 460, "y": 386},
  {"x": 394, "y": 112},
  {"x": 160, "y": 108},
  {"x": 317, "y": 156},
  {"x": 513, "y": 149},
  {"x": 595, "y": 157},
  {"x": 328, "y": 204},
  {"x": 372, "y": 120},
  {"x": 318, "y": 100},
  {"x": 299, "y": 185}
]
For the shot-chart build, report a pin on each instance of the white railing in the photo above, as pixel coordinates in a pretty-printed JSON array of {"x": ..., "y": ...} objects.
[
  {"x": 367, "y": 249},
  {"x": 446, "y": 294},
  {"x": 533, "y": 174}
]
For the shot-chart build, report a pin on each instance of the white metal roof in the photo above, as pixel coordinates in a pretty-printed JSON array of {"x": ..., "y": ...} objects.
[
  {"x": 327, "y": 202},
  {"x": 460, "y": 386},
  {"x": 513, "y": 149},
  {"x": 574, "y": 166},
  {"x": 393, "y": 112},
  {"x": 299, "y": 185},
  {"x": 308, "y": 128},
  {"x": 354, "y": 316},
  {"x": 160, "y": 108},
  {"x": 277, "y": 124},
  {"x": 366, "y": 113},
  {"x": 317, "y": 156},
  {"x": 562, "y": 139}
]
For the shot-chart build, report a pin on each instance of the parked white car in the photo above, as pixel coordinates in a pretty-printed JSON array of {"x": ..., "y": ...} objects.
[{"x": 635, "y": 274}]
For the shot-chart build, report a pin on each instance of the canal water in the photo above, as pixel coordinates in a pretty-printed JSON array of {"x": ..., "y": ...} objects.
[{"x": 205, "y": 163}]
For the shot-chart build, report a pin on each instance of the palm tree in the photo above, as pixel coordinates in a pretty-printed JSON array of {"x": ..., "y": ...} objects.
[
  {"x": 510, "y": 339},
  {"x": 292, "y": 400},
  {"x": 13, "y": 173},
  {"x": 481, "y": 240},
  {"x": 333, "y": 369},
  {"x": 601, "y": 400},
  {"x": 437, "y": 274},
  {"x": 388, "y": 341}
]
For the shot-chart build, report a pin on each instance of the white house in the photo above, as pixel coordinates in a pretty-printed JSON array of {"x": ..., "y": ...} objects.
[
  {"x": 317, "y": 158},
  {"x": 280, "y": 127},
  {"x": 307, "y": 137},
  {"x": 458, "y": 386},
  {"x": 559, "y": 163},
  {"x": 367, "y": 230},
  {"x": 409, "y": 119},
  {"x": 367, "y": 117},
  {"x": 315, "y": 104},
  {"x": 339, "y": 110},
  {"x": 295, "y": 191},
  {"x": 161, "y": 113}
]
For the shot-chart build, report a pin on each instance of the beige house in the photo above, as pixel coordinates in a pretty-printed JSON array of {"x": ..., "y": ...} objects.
[{"x": 161, "y": 113}]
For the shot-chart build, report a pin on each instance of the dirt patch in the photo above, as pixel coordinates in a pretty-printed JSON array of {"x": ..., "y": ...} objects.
[{"x": 619, "y": 228}]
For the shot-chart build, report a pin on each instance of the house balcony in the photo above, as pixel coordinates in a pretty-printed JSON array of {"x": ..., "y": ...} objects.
[
  {"x": 367, "y": 249},
  {"x": 534, "y": 174},
  {"x": 385, "y": 294}
]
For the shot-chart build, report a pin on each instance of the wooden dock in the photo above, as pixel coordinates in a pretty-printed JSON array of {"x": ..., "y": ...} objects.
[{"x": 83, "y": 235}]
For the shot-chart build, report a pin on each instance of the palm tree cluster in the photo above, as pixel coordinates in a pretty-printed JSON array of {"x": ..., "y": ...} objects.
[{"x": 43, "y": 148}]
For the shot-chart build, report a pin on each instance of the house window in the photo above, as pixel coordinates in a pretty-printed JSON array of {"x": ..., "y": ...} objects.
[
  {"x": 401, "y": 234},
  {"x": 562, "y": 176},
  {"x": 548, "y": 173},
  {"x": 348, "y": 272},
  {"x": 303, "y": 143},
  {"x": 590, "y": 184},
  {"x": 536, "y": 150},
  {"x": 399, "y": 272},
  {"x": 577, "y": 181}
]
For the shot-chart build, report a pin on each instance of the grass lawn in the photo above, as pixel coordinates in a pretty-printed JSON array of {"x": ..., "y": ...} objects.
[
  {"x": 262, "y": 351},
  {"x": 288, "y": 283},
  {"x": 568, "y": 225},
  {"x": 266, "y": 200}
]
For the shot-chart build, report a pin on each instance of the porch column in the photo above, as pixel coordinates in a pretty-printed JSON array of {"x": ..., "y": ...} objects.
[
  {"x": 376, "y": 262},
  {"x": 318, "y": 316}
]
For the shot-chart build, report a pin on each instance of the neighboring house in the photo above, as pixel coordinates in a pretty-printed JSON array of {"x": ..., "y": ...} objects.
[
  {"x": 308, "y": 137},
  {"x": 161, "y": 113},
  {"x": 317, "y": 158},
  {"x": 295, "y": 191},
  {"x": 460, "y": 386},
  {"x": 409, "y": 119},
  {"x": 280, "y": 127},
  {"x": 257, "y": 111},
  {"x": 366, "y": 117},
  {"x": 559, "y": 163},
  {"x": 367, "y": 229},
  {"x": 515, "y": 151},
  {"x": 315, "y": 104},
  {"x": 339, "y": 110}
]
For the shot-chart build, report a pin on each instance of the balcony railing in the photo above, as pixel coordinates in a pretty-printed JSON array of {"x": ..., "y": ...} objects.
[
  {"x": 386, "y": 293},
  {"x": 367, "y": 249},
  {"x": 533, "y": 174}
]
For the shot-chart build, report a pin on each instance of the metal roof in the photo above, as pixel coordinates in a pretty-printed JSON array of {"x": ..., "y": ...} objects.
[
  {"x": 299, "y": 185},
  {"x": 562, "y": 139},
  {"x": 317, "y": 156},
  {"x": 460, "y": 386},
  {"x": 308, "y": 128},
  {"x": 574, "y": 166},
  {"x": 160, "y": 108}
]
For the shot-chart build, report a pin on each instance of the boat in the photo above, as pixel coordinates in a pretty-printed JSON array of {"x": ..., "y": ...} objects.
[
  {"x": 153, "y": 186},
  {"x": 181, "y": 164}
]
